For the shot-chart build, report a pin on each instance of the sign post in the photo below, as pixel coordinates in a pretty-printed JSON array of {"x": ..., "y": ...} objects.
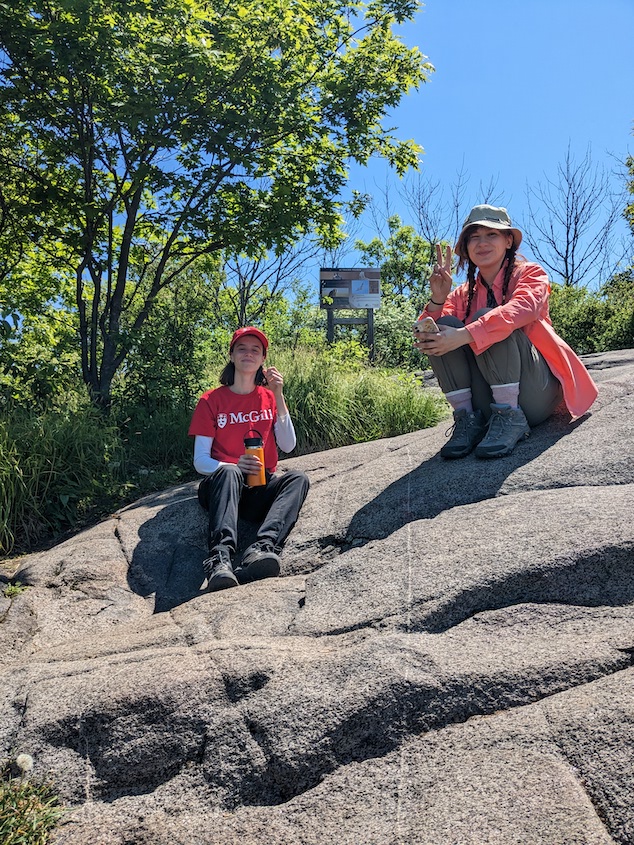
[{"x": 350, "y": 288}]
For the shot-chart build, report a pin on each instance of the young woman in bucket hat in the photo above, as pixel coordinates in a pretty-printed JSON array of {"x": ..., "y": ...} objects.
[
  {"x": 498, "y": 360},
  {"x": 249, "y": 401}
]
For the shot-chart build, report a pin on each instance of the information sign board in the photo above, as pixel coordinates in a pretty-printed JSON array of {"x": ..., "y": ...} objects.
[{"x": 350, "y": 287}]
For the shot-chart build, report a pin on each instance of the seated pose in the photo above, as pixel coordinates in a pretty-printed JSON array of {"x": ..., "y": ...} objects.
[
  {"x": 243, "y": 407},
  {"x": 497, "y": 358}
]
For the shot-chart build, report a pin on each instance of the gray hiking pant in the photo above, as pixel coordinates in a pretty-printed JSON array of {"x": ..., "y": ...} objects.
[{"x": 512, "y": 360}]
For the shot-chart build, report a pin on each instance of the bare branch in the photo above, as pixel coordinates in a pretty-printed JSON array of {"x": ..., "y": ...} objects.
[{"x": 572, "y": 222}]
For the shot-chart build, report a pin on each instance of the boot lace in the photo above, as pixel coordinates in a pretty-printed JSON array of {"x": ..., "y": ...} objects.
[
  {"x": 458, "y": 428},
  {"x": 497, "y": 425}
]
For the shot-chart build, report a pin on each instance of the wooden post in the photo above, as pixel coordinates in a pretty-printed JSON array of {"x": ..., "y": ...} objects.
[
  {"x": 370, "y": 312},
  {"x": 330, "y": 325}
]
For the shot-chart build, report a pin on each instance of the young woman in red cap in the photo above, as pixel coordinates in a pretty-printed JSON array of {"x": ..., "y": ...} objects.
[
  {"x": 498, "y": 360},
  {"x": 249, "y": 401}
]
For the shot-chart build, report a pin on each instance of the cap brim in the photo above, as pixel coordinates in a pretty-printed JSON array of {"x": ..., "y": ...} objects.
[{"x": 256, "y": 334}]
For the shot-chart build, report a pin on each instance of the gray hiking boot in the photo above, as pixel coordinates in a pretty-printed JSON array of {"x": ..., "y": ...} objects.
[
  {"x": 468, "y": 429},
  {"x": 219, "y": 571},
  {"x": 258, "y": 561},
  {"x": 506, "y": 427}
]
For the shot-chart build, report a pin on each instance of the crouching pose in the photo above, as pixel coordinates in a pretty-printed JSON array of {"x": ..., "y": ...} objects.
[
  {"x": 249, "y": 404},
  {"x": 498, "y": 360}
]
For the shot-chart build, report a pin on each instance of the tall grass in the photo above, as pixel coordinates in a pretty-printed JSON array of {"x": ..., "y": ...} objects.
[
  {"x": 65, "y": 467},
  {"x": 62, "y": 468},
  {"x": 52, "y": 467},
  {"x": 336, "y": 403}
]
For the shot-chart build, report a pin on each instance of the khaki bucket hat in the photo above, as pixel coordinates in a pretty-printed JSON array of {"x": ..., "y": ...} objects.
[{"x": 491, "y": 217}]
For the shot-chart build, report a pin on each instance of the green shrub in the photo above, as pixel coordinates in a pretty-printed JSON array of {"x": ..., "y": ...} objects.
[
  {"x": 53, "y": 467},
  {"x": 595, "y": 321},
  {"x": 577, "y": 316},
  {"x": 155, "y": 440},
  {"x": 618, "y": 294}
]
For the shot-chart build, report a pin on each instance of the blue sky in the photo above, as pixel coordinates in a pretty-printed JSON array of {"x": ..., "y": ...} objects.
[{"x": 515, "y": 85}]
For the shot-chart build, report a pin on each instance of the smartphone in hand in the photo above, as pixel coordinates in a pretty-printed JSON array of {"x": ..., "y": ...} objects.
[{"x": 424, "y": 326}]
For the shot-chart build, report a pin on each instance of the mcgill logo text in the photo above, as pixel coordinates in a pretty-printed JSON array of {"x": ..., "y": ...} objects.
[{"x": 251, "y": 416}]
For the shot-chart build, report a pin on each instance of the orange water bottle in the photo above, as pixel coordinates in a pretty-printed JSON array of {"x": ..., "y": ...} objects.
[{"x": 253, "y": 446}]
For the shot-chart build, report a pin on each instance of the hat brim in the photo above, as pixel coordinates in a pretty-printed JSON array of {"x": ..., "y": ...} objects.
[
  {"x": 461, "y": 245},
  {"x": 251, "y": 332}
]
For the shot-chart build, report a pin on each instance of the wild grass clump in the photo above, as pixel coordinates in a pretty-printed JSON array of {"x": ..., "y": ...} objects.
[
  {"x": 13, "y": 590},
  {"x": 29, "y": 812},
  {"x": 336, "y": 403},
  {"x": 53, "y": 466},
  {"x": 67, "y": 465},
  {"x": 155, "y": 440}
]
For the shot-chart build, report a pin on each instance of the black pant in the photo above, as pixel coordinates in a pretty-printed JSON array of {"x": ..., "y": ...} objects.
[{"x": 277, "y": 504}]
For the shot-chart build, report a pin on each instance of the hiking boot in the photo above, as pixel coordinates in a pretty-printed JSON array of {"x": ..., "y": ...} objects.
[
  {"x": 219, "y": 571},
  {"x": 468, "y": 429},
  {"x": 258, "y": 561},
  {"x": 506, "y": 427}
]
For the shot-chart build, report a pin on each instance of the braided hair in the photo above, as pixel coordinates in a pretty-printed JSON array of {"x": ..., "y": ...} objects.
[
  {"x": 471, "y": 276},
  {"x": 511, "y": 252}
]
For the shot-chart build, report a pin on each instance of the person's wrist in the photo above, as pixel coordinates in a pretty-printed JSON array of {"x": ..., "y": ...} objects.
[{"x": 433, "y": 302}]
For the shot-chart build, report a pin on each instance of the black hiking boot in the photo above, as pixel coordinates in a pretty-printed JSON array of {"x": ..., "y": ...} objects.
[
  {"x": 219, "y": 571},
  {"x": 469, "y": 428},
  {"x": 258, "y": 561}
]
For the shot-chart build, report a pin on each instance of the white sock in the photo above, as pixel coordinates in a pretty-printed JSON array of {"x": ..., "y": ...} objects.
[
  {"x": 460, "y": 399},
  {"x": 506, "y": 394}
]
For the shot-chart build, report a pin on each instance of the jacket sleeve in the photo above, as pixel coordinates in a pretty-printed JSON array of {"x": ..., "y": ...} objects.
[{"x": 527, "y": 303}]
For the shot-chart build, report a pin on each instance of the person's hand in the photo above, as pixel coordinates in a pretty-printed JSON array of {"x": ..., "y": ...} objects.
[
  {"x": 447, "y": 339},
  {"x": 249, "y": 463},
  {"x": 440, "y": 279},
  {"x": 274, "y": 380}
]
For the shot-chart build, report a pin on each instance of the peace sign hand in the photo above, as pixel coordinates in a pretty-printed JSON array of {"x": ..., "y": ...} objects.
[{"x": 440, "y": 279}]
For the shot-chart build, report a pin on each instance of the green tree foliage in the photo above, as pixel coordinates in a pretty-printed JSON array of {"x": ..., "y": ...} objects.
[
  {"x": 165, "y": 367},
  {"x": 137, "y": 137},
  {"x": 596, "y": 321},
  {"x": 38, "y": 361},
  {"x": 405, "y": 259}
]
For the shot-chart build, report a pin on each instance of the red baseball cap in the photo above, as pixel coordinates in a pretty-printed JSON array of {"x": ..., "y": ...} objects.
[{"x": 250, "y": 330}]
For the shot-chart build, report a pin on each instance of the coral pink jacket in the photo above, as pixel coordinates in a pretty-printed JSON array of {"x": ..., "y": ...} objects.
[{"x": 526, "y": 308}]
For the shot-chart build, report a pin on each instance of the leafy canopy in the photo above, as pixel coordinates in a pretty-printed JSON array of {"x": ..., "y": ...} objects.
[{"x": 137, "y": 136}]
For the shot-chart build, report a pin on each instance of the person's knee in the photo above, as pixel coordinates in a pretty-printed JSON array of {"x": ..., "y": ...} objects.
[
  {"x": 298, "y": 478},
  {"x": 228, "y": 474},
  {"x": 481, "y": 312},
  {"x": 450, "y": 320},
  {"x": 228, "y": 470}
]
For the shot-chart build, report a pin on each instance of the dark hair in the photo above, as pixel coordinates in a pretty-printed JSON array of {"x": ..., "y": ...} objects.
[
  {"x": 511, "y": 253},
  {"x": 228, "y": 375}
]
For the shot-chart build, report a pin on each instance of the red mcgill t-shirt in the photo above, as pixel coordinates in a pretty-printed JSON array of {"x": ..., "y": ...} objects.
[{"x": 228, "y": 417}]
